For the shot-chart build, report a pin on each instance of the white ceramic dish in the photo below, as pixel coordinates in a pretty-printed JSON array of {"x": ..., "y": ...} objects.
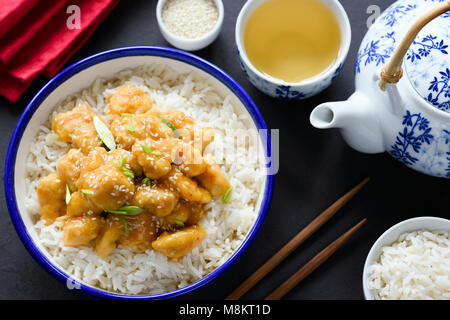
[
  {"x": 391, "y": 235},
  {"x": 190, "y": 44},
  {"x": 285, "y": 90},
  {"x": 80, "y": 75}
]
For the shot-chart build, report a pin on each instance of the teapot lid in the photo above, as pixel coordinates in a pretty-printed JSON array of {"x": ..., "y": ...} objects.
[{"x": 427, "y": 63}]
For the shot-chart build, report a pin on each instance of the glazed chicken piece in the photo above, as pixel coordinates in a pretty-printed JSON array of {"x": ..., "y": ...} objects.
[
  {"x": 95, "y": 158},
  {"x": 129, "y": 99},
  {"x": 107, "y": 187},
  {"x": 129, "y": 129},
  {"x": 79, "y": 231},
  {"x": 185, "y": 213},
  {"x": 188, "y": 188},
  {"x": 125, "y": 158},
  {"x": 180, "y": 243},
  {"x": 51, "y": 193},
  {"x": 156, "y": 199},
  {"x": 80, "y": 205},
  {"x": 155, "y": 163},
  {"x": 213, "y": 179},
  {"x": 70, "y": 166},
  {"x": 141, "y": 231},
  {"x": 188, "y": 131},
  {"x": 177, "y": 118},
  {"x": 106, "y": 241},
  {"x": 189, "y": 159},
  {"x": 77, "y": 127}
]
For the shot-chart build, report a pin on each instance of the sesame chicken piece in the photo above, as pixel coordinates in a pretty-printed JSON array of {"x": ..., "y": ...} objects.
[
  {"x": 80, "y": 205},
  {"x": 128, "y": 159},
  {"x": 200, "y": 138},
  {"x": 129, "y": 99},
  {"x": 128, "y": 130},
  {"x": 179, "y": 215},
  {"x": 77, "y": 127},
  {"x": 189, "y": 213},
  {"x": 157, "y": 199},
  {"x": 177, "y": 118},
  {"x": 51, "y": 193},
  {"x": 107, "y": 187},
  {"x": 106, "y": 241},
  {"x": 70, "y": 166},
  {"x": 213, "y": 179},
  {"x": 95, "y": 158},
  {"x": 196, "y": 212},
  {"x": 155, "y": 164},
  {"x": 179, "y": 243},
  {"x": 188, "y": 188},
  {"x": 142, "y": 230},
  {"x": 79, "y": 231},
  {"x": 189, "y": 159}
]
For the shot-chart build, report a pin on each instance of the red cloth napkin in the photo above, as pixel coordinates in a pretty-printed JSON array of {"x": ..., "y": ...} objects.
[
  {"x": 50, "y": 47},
  {"x": 12, "y": 11},
  {"x": 25, "y": 29}
]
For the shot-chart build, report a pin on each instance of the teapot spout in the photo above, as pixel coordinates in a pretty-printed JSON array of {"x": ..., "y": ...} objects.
[{"x": 357, "y": 120}]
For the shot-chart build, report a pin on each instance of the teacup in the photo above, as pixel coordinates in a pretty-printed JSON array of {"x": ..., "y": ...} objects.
[{"x": 299, "y": 90}]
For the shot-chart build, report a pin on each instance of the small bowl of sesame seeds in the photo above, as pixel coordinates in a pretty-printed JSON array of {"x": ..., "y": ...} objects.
[{"x": 190, "y": 24}]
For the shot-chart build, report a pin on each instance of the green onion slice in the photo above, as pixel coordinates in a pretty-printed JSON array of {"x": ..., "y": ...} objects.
[
  {"x": 122, "y": 162},
  {"x": 129, "y": 173},
  {"x": 67, "y": 195},
  {"x": 171, "y": 126},
  {"x": 129, "y": 128},
  {"x": 104, "y": 133},
  {"x": 87, "y": 191},
  {"x": 127, "y": 210},
  {"x": 126, "y": 115},
  {"x": 125, "y": 226},
  {"x": 147, "y": 181},
  {"x": 149, "y": 150},
  {"x": 227, "y": 195},
  {"x": 178, "y": 222}
]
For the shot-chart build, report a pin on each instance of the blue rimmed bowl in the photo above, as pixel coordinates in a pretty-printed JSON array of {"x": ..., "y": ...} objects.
[{"x": 79, "y": 76}]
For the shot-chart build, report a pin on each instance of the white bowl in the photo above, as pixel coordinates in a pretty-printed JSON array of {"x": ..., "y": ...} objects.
[
  {"x": 75, "y": 78},
  {"x": 293, "y": 90},
  {"x": 392, "y": 235},
  {"x": 190, "y": 44}
]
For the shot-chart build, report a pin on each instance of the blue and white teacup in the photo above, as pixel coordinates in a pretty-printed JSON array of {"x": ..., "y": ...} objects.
[{"x": 299, "y": 90}]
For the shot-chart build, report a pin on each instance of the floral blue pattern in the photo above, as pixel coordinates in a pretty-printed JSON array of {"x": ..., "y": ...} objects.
[
  {"x": 392, "y": 15},
  {"x": 441, "y": 87},
  {"x": 416, "y": 131},
  {"x": 423, "y": 141},
  {"x": 374, "y": 52},
  {"x": 286, "y": 92},
  {"x": 427, "y": 44}
]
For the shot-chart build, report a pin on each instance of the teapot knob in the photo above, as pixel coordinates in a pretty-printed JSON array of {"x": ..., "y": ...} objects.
[{"x": 392, "y": 72}]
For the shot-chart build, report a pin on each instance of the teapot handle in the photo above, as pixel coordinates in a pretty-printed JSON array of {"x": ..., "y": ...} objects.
[{"x": 392, "y": 72}]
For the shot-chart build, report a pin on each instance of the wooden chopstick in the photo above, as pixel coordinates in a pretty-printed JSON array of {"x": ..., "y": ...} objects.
[
  {"x": 313, "y": 264},
  {"x": 312, "y": 227}
]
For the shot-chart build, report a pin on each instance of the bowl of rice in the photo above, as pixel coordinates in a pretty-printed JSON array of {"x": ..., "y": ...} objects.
[
  {"x": 177, "y": 81},
  {"x": 410, "y": 261}
]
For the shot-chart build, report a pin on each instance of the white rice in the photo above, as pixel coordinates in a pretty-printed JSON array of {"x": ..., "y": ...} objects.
[
  {"x": 415, "y": 267},
  {"x": 125, "y": 270}
]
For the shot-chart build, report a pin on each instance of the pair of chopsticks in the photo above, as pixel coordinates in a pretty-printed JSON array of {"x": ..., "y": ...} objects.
[{"x": 293, "y": 244}]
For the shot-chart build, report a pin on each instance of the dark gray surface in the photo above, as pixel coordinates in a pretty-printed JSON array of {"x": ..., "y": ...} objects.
[{"x": 316, "y": 168}]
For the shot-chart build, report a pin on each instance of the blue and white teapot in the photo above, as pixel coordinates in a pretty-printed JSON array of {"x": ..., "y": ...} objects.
[{"x": 402, "y": 99}]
